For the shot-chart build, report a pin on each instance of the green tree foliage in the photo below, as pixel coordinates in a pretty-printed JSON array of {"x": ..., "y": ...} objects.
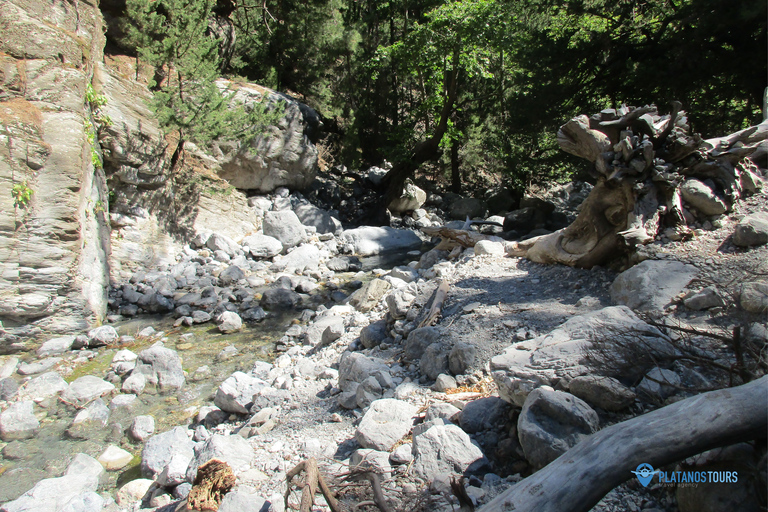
[{"x": 173, "y": 36}]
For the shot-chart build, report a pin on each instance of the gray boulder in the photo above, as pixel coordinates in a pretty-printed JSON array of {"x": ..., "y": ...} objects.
[
  {"x": 370, "y": 240},
  {"x": 240, "y": 500},
  {"x": 701, "y": 197},
  {"x": 142, "y": 427},
  {"x": 435, "y": 360},
  {"x": 703, "y": 299},
  {"x": 90, "y": 422},
  {"x": 68, "y": 493},
  {"x": 385, "y": 423},
  {"x": 236, "y": 393},
  {"x": 659, "y": 384},
  {"x": 218, "y": 242},
  {"x": 418, "y": 340},
  {"x": 461, "y": 358},
  {"x": 367, "y": 297},
  {"x": 18, "y": 421},
  {"x": 411, "y": 199},
  {"x": 405, "y": 273},
  {"x": 161, "y": 367},
  {"x": 753, "y": 297},
  {"x": 56, "y": 346},
  {"x": 262, "y": 246},
  {"x": 752, "y": 230},
  {"x": 43, "y": 386},
  {"x": 306, "y": 257},
  {"x": 86, "y": 388},
  {"x": 483, "y": 414},
  {"x": 285, "y": 226},
  {"x": 606, "y": 393},
  {"x": 232, "y": 449},
  {"x": 374, "y": 333},
  {"x": 355, "y": 367},
  {"x": 168, "y": 453},
  {"x": 100, "y": 336},
  {"x": 324, "y": 330},
  {"x": 445, "y": 449},
  {"x": 442, "y": 410},
  {"x": 230, "y": 275},
  {"x": 279, "y": 298},
  {"x": 398, "y": 303},
  {"x": 551, "y": 422},
  {"x": 651, "y": 284}
]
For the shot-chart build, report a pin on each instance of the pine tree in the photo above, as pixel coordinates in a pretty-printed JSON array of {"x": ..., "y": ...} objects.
[{"x": 173, "y": 36}]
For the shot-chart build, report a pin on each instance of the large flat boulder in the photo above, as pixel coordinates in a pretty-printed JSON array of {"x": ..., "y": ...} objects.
[
  {"x": 652, "y": 284},
  {"x": 385, "y": 423},
  {"x": 445, "y": 449},
  {"x": 370, "y": 240}
]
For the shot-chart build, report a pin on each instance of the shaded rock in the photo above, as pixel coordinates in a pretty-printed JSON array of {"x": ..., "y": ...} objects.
[
  {"x": 367, "y": 297},
  {"x": 256, "y": 314},
  {"x": 219, "y": 242},
  {"x": 461, "y": 358},
  {"x": 374, "y": 333},
  {"x": 467, "y": 207},
  {"x": 418, "y": 340},
  {"x": 701, "y": 197},
  {"x": 236, "y": 393},
  {"x": 172, "y": 448},
  {"x": 8, "y": 388},
  {"x": 606, "y": 393},
  {"x": 398, "y": 303},
  {"x": 370, "y": 240},
  {"x": 659, "y": 384},
  {"x": 43, "y": 386},
  {"x": 279, "y": 298},
  {"x": 231, "y": 275},
  {"x": 86, "y": 388},
  {"x": 445, "y": 411},
  {"x": 321, "y": 220},
  {"x": 18, "y": 421},
  {"x": 386, "y": 422},
  {"x": 368, "y": 391},
  {"x": 752, "y": 230},
  {"x": 483, "y": 414},
  {"x": 551, "y": 422},
  {"x": 285, "y": 226},
  {"x": 435, "y": 360},
  {"x": 161, "y": 367},
  {"x": 445, "y": 449},
  {"x": 703, "y": 299},
  {"x": 651, "y": 284},
  {"x": 355, "y": 367}
]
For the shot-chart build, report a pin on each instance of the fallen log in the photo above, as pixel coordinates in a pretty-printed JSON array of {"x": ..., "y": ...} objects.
[
  {"x": 580, "y": 477},
  {"x": 456, "y": 237},
  {"x": 436, "y": 301}
]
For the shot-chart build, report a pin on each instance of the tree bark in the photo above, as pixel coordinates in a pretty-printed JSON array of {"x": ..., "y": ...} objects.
[{"x": 580, "y": 477}]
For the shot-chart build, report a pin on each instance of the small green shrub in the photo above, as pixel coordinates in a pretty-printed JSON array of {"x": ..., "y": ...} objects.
[{"x": 22, "y": 194}]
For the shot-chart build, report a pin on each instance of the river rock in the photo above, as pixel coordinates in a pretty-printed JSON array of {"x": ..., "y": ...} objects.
[
  {"x": 236, "y": 393},
  {"x": 74, "y": 493},
  {"x": 754, "y": 297},
  {"x": 435, "y": 360},
  {"x": 355, "y": 367},
  {"x": 231, "y": 275},
  {"x": 232, "y": 449},
  {"x": 551, "y": 422},
  {"x": 444, "y": 382},
  {"x": 114, "y": 458},
  {"x": 374, "y": 333},
  {"x": 321, "y": 220},
  {"x": 365, "y": 459},
  {"x": 82, "y": 464},
  {"x": 285, "y": 226},
  {"x": 142, "y": 427},
  {"x": 484, "y": 414},
  {"x": 403, "y": 454},
  {"x": 229, "y": 322},
  {"x": 752, "y": 230},
  {"x": 324, "y": 330},
  {"x": 411, "y": 199},
  {"x": 43, "y": 386},
  {"x": 652, "y": 284},
  {"x": 418, "y": 340},
  {"x": 398, "y": 303},
  {"x": 703, "y": 299},
  {"x": 543, "y": 360},
  {"x": 279, "y": 298},
  {"x": 370, "y": 240},
  {"x": 701, "y": 197},
  {"x": 219, "y": 242},
  {"x": 161, "y": 367},
  {"x": 467, "y": 207},
  {"x": 8, "y": 366},
  {"x": 241, "y": 500},
  {"x": 18, "y": 421},
  {"x": 306, "y": 257},
  {"x": 8, "y": 388},
  {"x": 606, "y": 393},
  {"x": 56, "y": 346},
  {"x": 461, "y": 358},
  {"x": 367, "y": 297},
  {"x": 134, "y": 383},
  {"x": 442, "y": 410},
  {"x": 36, "y": 367},
  {"x": 262, "y": 246},
  {"x": 90, "y": 422},
  {"x": 86, "y": 388},
  {"x": 133, "y": 492},
  {"x": 386, "y": 422},
  {"x": 100, "y": 336},
  {"x": 445, "y": 449},
  {"x": 172, "y": 448},
  {"x": 659, "y": 384}
]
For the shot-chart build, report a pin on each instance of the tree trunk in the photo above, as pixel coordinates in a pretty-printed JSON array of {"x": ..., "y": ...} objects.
[
  {"x": 580, "y": 477},
  {"x": 640, "y": 161},
  {"x": 455, "y": 170}
]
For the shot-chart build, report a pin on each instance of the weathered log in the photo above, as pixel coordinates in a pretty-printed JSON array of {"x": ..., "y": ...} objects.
[
  {"x": 455, "y": 237},
  {"x": 436, "y": 301},
  {"x": 580, "y": 477},
  {"x": 312, "y": 481}
]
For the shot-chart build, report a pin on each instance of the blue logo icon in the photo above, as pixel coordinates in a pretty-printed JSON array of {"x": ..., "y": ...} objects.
[{"x": 645, "y": 473}]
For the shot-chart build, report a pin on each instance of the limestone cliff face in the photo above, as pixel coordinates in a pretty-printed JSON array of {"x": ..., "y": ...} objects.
[{"x": 54, "y": 250}]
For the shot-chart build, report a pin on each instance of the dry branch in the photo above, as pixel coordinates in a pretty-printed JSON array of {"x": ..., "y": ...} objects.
[
  {"x": 312, "y": 481},
  {"x": 437, "y": 300},
  {"x": 580, "y": 477}
]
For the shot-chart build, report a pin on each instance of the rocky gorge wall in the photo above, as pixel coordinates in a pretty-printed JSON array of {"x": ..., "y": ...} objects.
[{"x": 53, "y": 249}]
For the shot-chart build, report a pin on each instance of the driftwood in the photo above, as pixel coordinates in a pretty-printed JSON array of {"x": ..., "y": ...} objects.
[
  {"x": 312, "y": 481},
  {"x": 214, "y": 479},
  {"x": 640, "y": 161},
  {"x": 580, "y": 477},
  {"x": 436, "y": 301},
  {"x": 455, "y": 237}
]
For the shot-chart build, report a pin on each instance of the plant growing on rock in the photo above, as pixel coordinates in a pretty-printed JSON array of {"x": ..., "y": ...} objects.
[{"x": 22, "y": 194}]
